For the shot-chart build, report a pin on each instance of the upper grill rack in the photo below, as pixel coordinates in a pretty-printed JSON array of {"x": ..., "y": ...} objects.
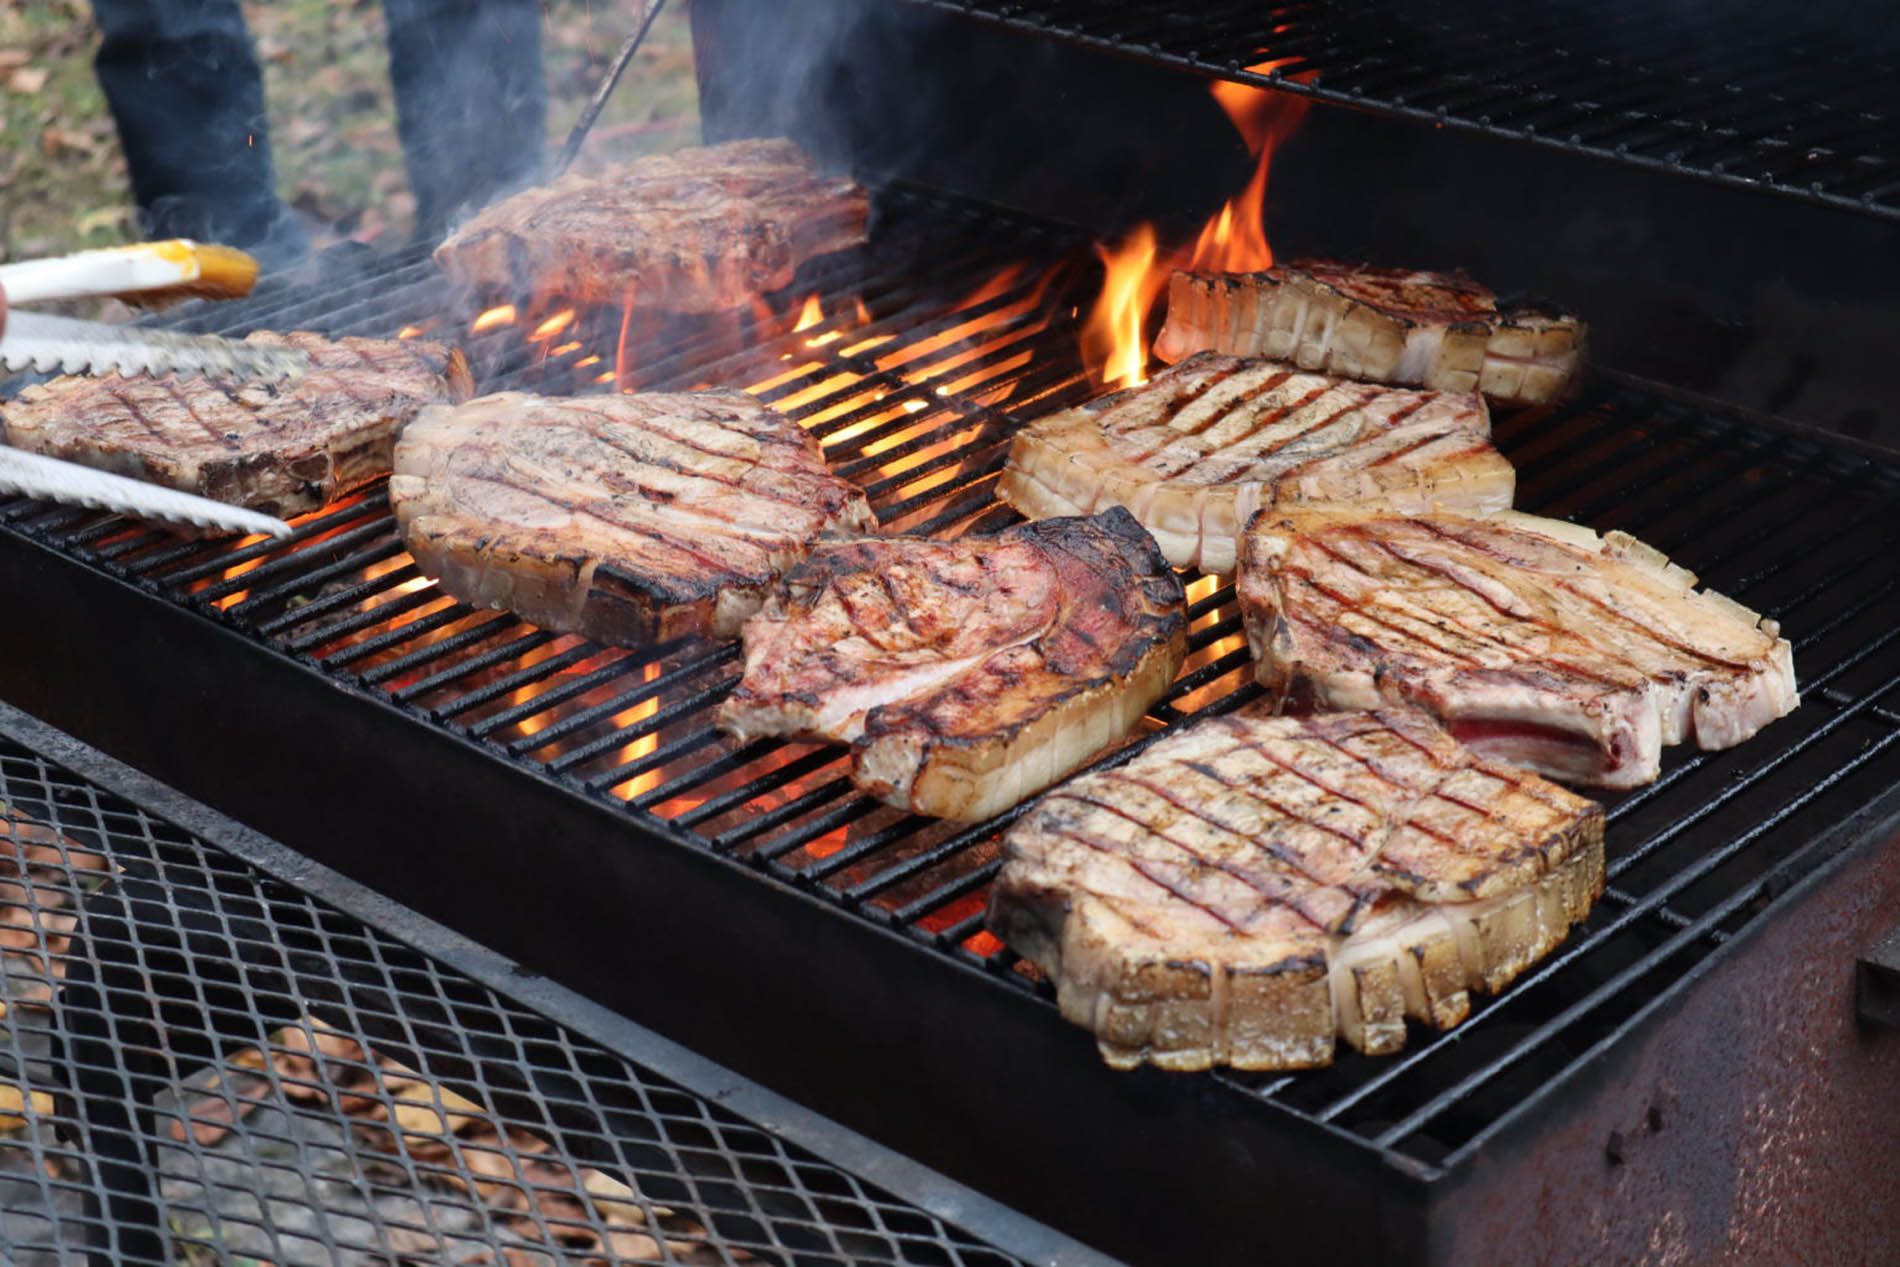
[
  {"x": 916, "y": 403},
  {"x": 1765, "y": 99}
]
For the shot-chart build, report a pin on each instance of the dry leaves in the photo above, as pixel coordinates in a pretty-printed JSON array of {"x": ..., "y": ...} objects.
[{"x": 449, "y": 1140}]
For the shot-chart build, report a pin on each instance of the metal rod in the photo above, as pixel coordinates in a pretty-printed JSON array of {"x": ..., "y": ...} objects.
[{"x": 585, "y": 123}]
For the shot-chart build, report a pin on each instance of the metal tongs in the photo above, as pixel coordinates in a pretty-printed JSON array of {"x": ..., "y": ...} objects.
[{"x": 148, "y": 272}]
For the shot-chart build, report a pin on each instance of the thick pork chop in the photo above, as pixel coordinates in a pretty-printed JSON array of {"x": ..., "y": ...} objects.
[
  {"x": 1383, "y": 325},
  {"x": 1532, "y": 640},
  {"x": 623, "y": 518},
  {"x": 966, "y": 674},
  {"x": 281, "y": 448},
  {"x": 1251, "y": 887},
  {"x": 700, "y": 230},
  {"x": 1195, "y": 452}
]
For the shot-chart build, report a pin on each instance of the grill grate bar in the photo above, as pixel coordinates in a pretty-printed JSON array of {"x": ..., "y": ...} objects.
[
  {"x": 530, "y": 642},
  {"x": 576, "y": 653},
  {"x": 471, "y": 637},
  {"x": 612, "y": 667}
]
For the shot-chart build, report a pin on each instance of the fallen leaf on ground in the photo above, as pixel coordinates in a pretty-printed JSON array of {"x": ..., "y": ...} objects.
[{"x": 27, "y": 80}]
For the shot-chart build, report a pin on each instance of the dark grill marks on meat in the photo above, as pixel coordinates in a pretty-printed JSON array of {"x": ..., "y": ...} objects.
[
  {"x": 623, "y": 518},
  {"x": 280, "y": 448},
  {"x": 1439, "y": 330},
  {"x": 1252, "y": 887},
  {"x": 1194, "y": 453},
  {"x": 1533, "y": 640},
  {"x": 966, "y": 674},
  {"x": 699, "y": 230}
]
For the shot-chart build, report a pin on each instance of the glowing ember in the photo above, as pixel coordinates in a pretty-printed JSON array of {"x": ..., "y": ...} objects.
[
  {"x": 503, "y": 315},
  {"x": 409, "y": 332},
  {"x": 554, "y": 325}
]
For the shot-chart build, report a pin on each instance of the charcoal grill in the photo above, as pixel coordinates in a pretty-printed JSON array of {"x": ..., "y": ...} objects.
[{"x": 745, "y": 901}]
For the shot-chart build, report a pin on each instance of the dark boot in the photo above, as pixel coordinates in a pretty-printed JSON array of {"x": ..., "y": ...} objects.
[
  {"x": 186, "y": 93},
  {"x": 471, "y": 102}
]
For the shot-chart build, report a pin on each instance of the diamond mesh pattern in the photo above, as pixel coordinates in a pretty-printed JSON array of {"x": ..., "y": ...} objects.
[{"x": 313, "y": 1091}]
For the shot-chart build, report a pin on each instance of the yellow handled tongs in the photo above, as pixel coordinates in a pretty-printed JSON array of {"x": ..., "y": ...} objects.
[{"x": 150, "y": 272}]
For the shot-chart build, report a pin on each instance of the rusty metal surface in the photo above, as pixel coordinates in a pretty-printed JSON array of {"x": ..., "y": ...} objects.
[{"x": 1754, "y": 1119}]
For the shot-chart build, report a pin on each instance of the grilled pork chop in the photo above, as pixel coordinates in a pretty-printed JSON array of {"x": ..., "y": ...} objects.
[
  {"x": 966, "y": 674},
  {"x": 1205, "y": 444},
  {"x": 1532, "y": 640},
  {"x": 700, "y": 230},
  {"x": 282, "y": 448},
  {"x": 622, "y": 518},
  {"x": 1383, "y": 325},
  {"x": 1252, "y": 886}
]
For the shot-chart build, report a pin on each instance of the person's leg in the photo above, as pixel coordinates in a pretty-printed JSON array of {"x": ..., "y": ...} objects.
[
  {"x": 471, "y": 103},
  {"x": 186, "y": 93}
]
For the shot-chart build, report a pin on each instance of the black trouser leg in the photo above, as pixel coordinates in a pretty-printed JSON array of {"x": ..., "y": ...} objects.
[
  {"x": 471, "y": 103},
  {"x": 186, "y": 93}
]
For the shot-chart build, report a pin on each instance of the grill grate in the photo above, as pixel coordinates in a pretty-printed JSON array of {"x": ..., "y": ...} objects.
[
  {"x": 1790, "y": 102},
  {"x": 324, "y": 1092},
  {"x": 916, "y": 403}
]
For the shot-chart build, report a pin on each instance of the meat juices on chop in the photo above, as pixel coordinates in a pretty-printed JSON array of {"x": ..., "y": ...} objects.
[
  {"x": 699, "y": 230},
  {"x": 1195, "y": 452},
  {"x": 966, "y": 674},
  {"x": 1384, "y": 325},
  {"x": 281, "y": 448},
  {"x": 1533, "y": 640},
  {"x": 624, "y": 518},
  {"x": 1253, "y": 887}
]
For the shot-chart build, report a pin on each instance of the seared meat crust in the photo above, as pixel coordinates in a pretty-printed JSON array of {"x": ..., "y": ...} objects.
[
  {"x": 966, "y": 674},
  {"x": 281, "y": 448},
  {"x": 1196, "y": 451},
  {"x": 1533, "y": 640},
  {"x": 699, "y": 230},
  {"x": 625, "y": 518},
  {"x": 1385, "y": 325},
  {"x": 1252, "y": 887}
]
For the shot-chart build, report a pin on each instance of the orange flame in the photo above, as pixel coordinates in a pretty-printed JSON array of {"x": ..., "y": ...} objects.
[
  {"x": 1114, "y": 345},
  {"x": 810, "y": 315},
  {"x": 1113, "y": 338},
  {"x": 1235, "y": 241}
]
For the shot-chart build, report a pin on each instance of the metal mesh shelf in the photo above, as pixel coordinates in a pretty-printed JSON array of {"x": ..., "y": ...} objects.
[
  {"x": 1792, "y": 101},
  {"x": 246, "y": 1071}
]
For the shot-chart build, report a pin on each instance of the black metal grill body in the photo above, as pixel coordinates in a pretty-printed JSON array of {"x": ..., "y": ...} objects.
[
  {"x": 572, "y": 805},
  {"x": 205, "y": 1005},
  {"x": 1766, "y": 295}
]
